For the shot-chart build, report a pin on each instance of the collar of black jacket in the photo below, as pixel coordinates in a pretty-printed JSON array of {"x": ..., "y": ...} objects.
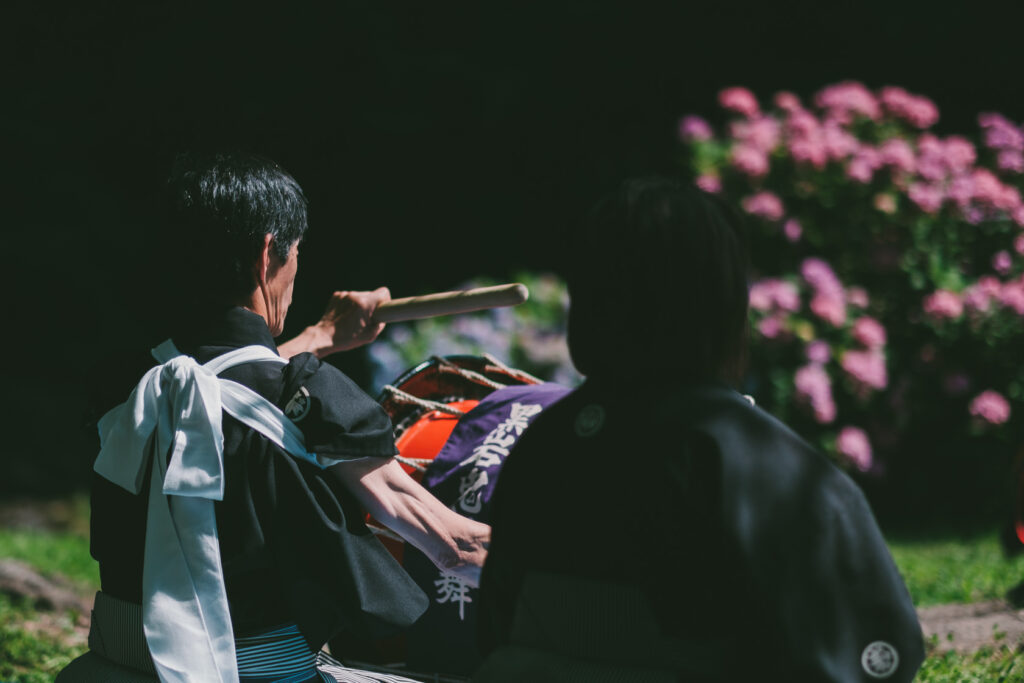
[{"x": 231, "y": 327}]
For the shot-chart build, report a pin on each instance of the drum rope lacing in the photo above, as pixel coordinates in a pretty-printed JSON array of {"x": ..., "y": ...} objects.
[
  {"x": 418, "y": 464},
  {"x": 404, "y": 397},
  {"x": 445, "y": 365},
  {"x": 512, "y": 372}
]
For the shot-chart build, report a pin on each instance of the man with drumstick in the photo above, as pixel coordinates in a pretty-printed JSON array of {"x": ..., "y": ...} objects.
[{"x": 231, "y": 487}]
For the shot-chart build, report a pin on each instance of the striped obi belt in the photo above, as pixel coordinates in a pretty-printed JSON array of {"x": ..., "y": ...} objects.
[{"x": 173, "y": 420}]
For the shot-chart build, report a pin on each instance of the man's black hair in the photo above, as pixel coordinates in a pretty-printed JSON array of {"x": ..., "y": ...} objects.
[
  {"x": 658, "y": 284},
  {"x": 218, "y": 210}
]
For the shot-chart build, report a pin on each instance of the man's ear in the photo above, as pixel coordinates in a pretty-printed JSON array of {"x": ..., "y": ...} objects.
[{"x": 262, "y": 265}]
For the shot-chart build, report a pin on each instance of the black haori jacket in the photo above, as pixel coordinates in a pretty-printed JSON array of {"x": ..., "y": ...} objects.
[
  {"x": 293, "y": 542},
  {"x": 759, "y": 559}
]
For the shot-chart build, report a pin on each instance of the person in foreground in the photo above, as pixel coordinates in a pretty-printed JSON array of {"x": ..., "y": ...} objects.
[
  {"x": 654, "y": 525},
  {"x": 231, "y": 488}
]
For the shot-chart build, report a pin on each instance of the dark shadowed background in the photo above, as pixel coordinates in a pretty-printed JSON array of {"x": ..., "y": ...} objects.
[{"x": 435, "y": 141}]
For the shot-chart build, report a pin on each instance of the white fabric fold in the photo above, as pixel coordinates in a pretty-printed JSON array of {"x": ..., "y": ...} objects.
[{"x": 173, "y": 419}]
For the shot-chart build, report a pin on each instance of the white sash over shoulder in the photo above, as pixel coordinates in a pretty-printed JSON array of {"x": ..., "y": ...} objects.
[{"x": 173, "y": 420}]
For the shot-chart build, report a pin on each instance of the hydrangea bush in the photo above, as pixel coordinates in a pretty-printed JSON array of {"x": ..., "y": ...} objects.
[
  {"x": 888, "y": 290},
  {"x": 528, "y": 337}
]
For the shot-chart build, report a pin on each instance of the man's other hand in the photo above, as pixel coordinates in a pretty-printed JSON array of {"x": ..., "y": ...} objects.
[{"x": 346, "y": 324}]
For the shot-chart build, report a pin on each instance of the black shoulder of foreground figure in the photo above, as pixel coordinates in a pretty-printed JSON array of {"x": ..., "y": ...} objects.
[{"x": 335, "y": 415}]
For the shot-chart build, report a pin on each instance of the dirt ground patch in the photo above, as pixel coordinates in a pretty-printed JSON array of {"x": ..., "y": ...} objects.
[{"x": 966, "y": 628}]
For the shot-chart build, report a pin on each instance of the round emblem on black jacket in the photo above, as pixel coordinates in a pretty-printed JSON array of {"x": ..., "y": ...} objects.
[
  {"x": 589, "y": 420},
  {"x": 298, "y": 407},
  {"x": 880, "y": 659}
]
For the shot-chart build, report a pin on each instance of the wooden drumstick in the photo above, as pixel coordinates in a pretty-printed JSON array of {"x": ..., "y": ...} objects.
[{"x": 450, "y": 303}]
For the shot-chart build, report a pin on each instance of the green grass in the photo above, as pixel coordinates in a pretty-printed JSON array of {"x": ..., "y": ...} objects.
[
  {"x": 64, "y": 553},
  {"x": 963, "y": 569},
  {"x": 987, "y": 665},
  {"x": 937, "y": 569},
  {"x": 25, "y": 655}
]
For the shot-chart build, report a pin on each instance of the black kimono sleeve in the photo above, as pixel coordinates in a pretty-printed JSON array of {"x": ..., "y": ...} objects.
[{"x": 829, "y": 598}]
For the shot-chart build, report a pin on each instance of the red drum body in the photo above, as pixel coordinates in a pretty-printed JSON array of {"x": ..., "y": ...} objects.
[{"x": 425, "y": 405}]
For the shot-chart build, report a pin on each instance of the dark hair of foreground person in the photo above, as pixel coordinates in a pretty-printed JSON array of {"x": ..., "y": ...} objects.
[{"x": 657, "y": 276}]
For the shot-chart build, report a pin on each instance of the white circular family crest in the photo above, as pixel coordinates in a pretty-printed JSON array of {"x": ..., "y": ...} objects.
[
  {"x": 880, "y": 659},
  {"x": 298, "y": 407},
  {"x": 589, "y": 420}
]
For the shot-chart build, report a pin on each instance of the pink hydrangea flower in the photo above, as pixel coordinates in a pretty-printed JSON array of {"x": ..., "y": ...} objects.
[
  {"x": 750, "y": 160},
  {"x": 820, "y": 276},
  {"x": 760, "y": 298},
  {"x": 866, "y": 368},
  {"x": 885, "y": 203},
  {"x": 809, "y": 150},
  {"x": 857, "y": 296},
  {"x": 802, "y": 123},
  {"x": 805, "y": 139},
  {"x": 1002, "y": 262},
  {"x": 739, "y": 100},
  {"x": 765, "y": 205},
  {"x": 991, "y": 407},
  {"x": 988, "y": 189},
  {"x": 853, "y": 443},
  {"x": 961, "y": 190},
  {"x": 709, "y": 183},
  {"x": 1000, "y": 133},
  {"x": 694, "y": 128},
  {"x": 813, "y": 386},
  {"x": 762, "y": 133},
  {"x": 772, "y": 293},
  {"x": 985, "y": 186},
  {"x": 989, "y": 285},
  {"x": 1012, "y": 296},
  {"x": 958, "y": 154},
  {"x": 976, "y": 299},
  {"x": 918, "y": 111},
  {"x": 931, "y": 157},
  {"x": 830, "y": 308},
  {"x": 818, "y": 351},
  {"x": 943, "y": 304},
  {"x": 1010, "y": 160},
  {"x": 846, "y": 99},
  {"x": 787, "y": 101},
  {"x": 866, "y": 160},
  {"x": 839, "y": 142},
  {"x": 792, "y": 230},
  {"x": 869, "y": 332},
  {"x": 1018, "y": 215},
  {"x": 1018, "y": 244},
  {"x": 770, "y": 327},
  {"x": 1010, "y": 200},
  {"x": 898, "y": 153},
  {"x": 927, "y": 197}
]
